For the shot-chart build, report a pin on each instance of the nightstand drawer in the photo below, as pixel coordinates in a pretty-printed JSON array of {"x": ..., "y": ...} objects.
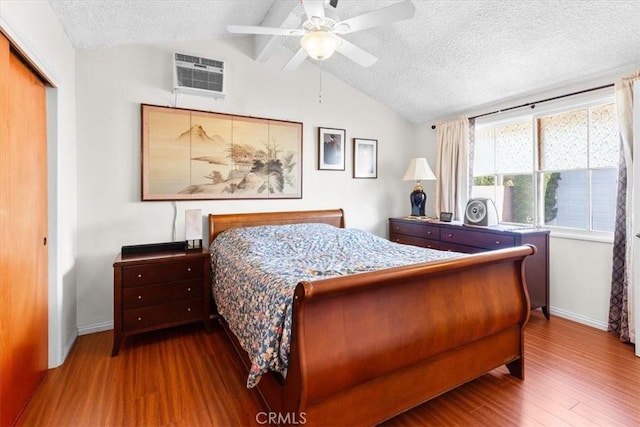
[
  {"x": 417, "y": 229},
  {"x": 478, "y": 239},
  {"x": 141, "y": 296},
  {"x": 164, "y": 314},
  {"x": 161, "y": 273}
]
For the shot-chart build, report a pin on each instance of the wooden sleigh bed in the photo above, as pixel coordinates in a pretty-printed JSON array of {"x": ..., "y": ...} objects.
[{"x": 369, "y": 346}]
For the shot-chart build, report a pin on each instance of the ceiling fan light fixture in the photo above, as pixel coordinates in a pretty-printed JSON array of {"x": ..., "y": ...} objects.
[{"x": 320, "y": 45}]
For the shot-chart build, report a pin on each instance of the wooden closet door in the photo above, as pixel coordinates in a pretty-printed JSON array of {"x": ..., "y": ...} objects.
[{"x": 23, "y": 230}]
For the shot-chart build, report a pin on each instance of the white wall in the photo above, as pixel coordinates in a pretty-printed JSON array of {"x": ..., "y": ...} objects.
[
  {"x": 35, "y": 30},
  {"x": 111, "y": 84},
  {"x": 580, "y": 280}
]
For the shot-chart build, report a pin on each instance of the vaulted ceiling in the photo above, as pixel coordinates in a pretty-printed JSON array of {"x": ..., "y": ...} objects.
[{"x": 453, "y": 56}]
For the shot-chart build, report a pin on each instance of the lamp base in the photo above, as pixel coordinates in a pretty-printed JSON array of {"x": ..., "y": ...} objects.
[{"x": 418, "y": 202}]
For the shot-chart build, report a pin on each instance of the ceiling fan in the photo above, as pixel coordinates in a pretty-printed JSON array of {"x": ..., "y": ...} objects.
[{"x": 321, "y": 33}]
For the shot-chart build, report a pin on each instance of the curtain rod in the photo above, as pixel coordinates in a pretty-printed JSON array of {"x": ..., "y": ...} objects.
[{"x": 533, "y": 104}]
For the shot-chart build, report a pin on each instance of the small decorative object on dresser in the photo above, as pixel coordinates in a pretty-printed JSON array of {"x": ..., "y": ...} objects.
[
  {"x": 455, "y": 236},
  {"x": 158, "y": 289},
  {"x": 418, "y": 170},
  {"x": 481, "y": 211},
  {"x": 446, "y": 216}
]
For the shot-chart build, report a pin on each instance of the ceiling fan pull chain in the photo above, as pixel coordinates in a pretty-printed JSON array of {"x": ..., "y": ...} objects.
[{"x": 320, "y": 92}]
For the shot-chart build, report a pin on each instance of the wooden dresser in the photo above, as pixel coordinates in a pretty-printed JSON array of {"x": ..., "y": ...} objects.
[
  {"x": 158, "y": 290},
  {"x": 454, "y": 236}
]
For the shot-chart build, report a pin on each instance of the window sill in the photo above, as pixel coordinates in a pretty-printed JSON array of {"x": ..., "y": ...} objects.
[{"x": 591, "y": 236}]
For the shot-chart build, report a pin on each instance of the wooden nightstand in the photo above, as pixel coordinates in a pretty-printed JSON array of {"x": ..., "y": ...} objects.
[
  {"x": 157, "y": 290},
  {"x": 454, "y": 236}
]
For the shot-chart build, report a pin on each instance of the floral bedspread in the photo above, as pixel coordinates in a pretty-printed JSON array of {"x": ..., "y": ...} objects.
[{"x": 256, "y": 269}]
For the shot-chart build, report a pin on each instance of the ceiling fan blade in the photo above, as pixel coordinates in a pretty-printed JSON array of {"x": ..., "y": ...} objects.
[
  {"x": 296, "y": 60},
  {"x": 356, "y": 54},
  {"x": 313, "y": 8},
  {"x": 272, "y": 31},
  {"x": 386, "y": 15}
]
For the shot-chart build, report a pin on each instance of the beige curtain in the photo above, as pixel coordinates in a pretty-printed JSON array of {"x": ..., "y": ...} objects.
[
  {"x": 621, "y": 315},
  {"x": 452, "y": 167}
]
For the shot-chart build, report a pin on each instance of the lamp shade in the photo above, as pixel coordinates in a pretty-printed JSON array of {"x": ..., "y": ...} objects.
[
  {"x": 320, "y": 45},
  {"x": 193, "y": 224},
  {"x": 418, "y": 170}
]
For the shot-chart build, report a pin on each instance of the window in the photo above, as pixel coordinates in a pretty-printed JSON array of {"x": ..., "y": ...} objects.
[{"x": 555, "y": 168}]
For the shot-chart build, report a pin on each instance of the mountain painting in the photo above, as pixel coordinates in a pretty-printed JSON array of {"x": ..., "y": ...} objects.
[{"x": 198, "y": 155}]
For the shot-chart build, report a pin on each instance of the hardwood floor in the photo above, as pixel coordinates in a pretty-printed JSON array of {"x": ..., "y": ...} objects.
[{"x": 575, "y": 376}]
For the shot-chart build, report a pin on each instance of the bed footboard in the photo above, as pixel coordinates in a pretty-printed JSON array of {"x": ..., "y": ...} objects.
[{"x": 369, "y": 346}]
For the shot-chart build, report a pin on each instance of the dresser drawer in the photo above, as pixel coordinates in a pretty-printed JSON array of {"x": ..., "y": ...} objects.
[
  {"x": 418, "y": 229},
  {"x": 141, "y": 296},
  {"x": 479, "y": 239},
  {"x": 415, "y": 241},
  {"x": 163, "y": 314},
  {"x": 455, "y": 247},
  {"x": 161, "y": 272}
]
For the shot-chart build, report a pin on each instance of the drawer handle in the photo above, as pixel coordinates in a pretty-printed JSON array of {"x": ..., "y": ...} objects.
[
  {"x": 449, "y": 235},
  {"x": 139, "y": 296},
  {"x": 497, "y": 242},
  {"x": 139, "y": 318},
  {"x": 397, "y": 227},
  {"x": 189, "y": 289},
  {"x": 188, "y": 308},
  {"x": 139, "y": 275},
  {"x": 188, "y": 268},
  {"x": 428, "y": 232}
]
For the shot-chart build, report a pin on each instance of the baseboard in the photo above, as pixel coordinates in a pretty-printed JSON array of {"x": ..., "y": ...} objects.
[
  {"x": 96, "y": 327},
  {"x": 68, "y": 346},
  {"x": 578, "y": 318}
]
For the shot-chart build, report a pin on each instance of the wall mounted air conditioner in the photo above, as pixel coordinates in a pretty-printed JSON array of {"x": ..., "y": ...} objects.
[{"x": 198, "y": 76}]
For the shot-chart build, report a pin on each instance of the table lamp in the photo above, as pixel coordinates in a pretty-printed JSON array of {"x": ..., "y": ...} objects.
[
  {"x": 418, "y": 170},
  {"x": 193, "y": 229}
]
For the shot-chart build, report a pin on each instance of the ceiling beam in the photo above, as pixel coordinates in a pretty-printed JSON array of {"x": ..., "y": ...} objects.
[{"x": 282, "y": 14}]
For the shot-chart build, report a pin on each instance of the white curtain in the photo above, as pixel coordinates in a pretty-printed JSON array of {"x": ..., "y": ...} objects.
[
  {"x": 452, "y": 168},
  {"x": 621, "y": 315}
]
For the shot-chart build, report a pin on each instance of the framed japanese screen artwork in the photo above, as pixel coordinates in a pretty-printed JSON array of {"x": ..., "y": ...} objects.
[{"x": 200, "y": 155}]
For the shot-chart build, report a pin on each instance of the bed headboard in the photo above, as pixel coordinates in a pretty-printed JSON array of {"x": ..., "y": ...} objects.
[{"x": 222, "y": 222}]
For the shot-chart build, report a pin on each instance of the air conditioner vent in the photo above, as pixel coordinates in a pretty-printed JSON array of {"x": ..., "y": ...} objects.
[{"x": 200, "y": 76}]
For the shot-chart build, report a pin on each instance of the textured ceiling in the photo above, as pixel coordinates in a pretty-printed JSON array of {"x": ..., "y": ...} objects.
[{"x": 454, "y": 56}]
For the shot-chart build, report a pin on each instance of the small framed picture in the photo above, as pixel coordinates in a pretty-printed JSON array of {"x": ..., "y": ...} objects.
[
  {"x": 365, "y": 158},
  {"x": 446, "y": 216},
  {"x": 331, "y": 149}
]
